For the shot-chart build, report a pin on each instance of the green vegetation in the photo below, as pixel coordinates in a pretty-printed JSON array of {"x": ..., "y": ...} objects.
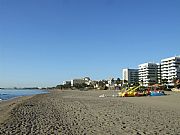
[{"x": 66, "y": 86}]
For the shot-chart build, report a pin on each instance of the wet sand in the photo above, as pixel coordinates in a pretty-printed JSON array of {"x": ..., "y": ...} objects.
[{"x": 83, "y": 112}]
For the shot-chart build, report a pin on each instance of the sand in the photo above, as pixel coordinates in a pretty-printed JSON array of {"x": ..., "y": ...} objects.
[
  {"x": 83, "y": 112},
  {"x": 7, "y": 106}
]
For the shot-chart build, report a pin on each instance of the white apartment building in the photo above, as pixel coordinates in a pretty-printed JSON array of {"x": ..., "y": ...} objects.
[
  {"x": 170, "y": 69},
  {"x": 149, "y": 73},
  {"x": 159, "y": 73},
  {"x": 77, "y": 81},
  {"x": 131, "y": 75},
  {"x": 85, "y": 80},
  {"x": 66, "y": 82}
]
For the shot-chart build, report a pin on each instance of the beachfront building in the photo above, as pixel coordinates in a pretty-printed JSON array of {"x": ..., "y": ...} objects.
[
  {"x": 85, "y": 80},
  {"x": 66, "y": 82},
  {"x": 149, "y": 73},
  {"x": 77, "y": 81},
  {"x": 130, "y": 75},
  {"x": 159, "y": 73},
  {"x": 170, "y": 69}
]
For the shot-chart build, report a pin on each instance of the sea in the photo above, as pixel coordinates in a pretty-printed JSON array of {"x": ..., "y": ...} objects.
[{"x": 6, "y": 94}]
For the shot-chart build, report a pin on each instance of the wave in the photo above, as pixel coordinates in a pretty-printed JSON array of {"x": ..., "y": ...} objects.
[{"x": 3, "y": 94}]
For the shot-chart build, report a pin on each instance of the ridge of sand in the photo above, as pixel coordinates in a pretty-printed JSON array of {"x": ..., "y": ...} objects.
[{"x": 7, "y": 106}]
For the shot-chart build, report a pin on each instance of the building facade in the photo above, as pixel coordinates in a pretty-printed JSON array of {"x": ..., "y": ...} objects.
[
  {"x": 85, "y": 80},
  {"x": 170, "y": 69},
  {"x": 159, "y": 73},
  {"x": 66, "y": 82},
  {"x": 149, "y": 73},
  {"x": 77, "y": 81},
  {"x": 130, "y": 75}
]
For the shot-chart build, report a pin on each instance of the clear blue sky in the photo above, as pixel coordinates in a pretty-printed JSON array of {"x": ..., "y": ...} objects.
[{"x": 43, "y": 42}]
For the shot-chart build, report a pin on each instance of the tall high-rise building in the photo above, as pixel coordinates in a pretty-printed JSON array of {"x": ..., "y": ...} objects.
[
  {"x": 130, "y": 75},
  {"x": 149, "y": 73},
  {"x": 170, "y": 69},
  {"x": 159, "y": 73}
]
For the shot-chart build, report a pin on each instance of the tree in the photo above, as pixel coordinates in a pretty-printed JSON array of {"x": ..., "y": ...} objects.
[
  {"x": 80, "y": 86},
  {"x": 118, "y": 81},
  {"x": 142, "y": 82},
  {"x": 136, "y": 84},
  {"x": 175, "y": 81},
  {"x": 59, "y": 87},
  {"x": 125, "y": 81},
  {"x": 164, "y": 81},
  {"x": 112, "y": 81}
]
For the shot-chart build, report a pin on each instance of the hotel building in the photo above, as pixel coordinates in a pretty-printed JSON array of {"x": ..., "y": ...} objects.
[
  {"x": 149, "y": 73},
  {"x": 170, "y": 69},
  {"x": 80, "y": 81},
  {"x": 130, "y": 75}
]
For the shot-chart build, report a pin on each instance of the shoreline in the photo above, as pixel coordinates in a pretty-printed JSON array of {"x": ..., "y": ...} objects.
[
  {"x": 19, "y": 96},
  {"x": 83, "y": 112},
  {"x": 6, "y": 106}
]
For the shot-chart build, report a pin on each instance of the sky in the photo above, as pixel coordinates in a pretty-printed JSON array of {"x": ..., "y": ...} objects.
[{"x": 43, "y": 42}]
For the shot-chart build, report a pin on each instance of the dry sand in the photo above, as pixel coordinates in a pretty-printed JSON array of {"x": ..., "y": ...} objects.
[
  {"x": 7, "y": 106},
  {"x": 83, "y": 112}
]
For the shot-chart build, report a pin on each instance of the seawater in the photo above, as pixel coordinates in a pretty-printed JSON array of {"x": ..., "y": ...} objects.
[{"x": 6, "y": 94}]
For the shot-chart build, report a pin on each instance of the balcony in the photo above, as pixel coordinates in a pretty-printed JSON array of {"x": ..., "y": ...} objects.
[
  {"x": 164, "y": 72},
  {"x": 165, "y": 66}
]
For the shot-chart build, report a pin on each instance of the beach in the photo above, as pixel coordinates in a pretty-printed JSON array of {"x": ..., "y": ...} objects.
[{"x": 74, "y": 112}]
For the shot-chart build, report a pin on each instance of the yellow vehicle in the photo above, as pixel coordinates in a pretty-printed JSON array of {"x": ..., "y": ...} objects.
[{"x": 131, "y": 92}]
